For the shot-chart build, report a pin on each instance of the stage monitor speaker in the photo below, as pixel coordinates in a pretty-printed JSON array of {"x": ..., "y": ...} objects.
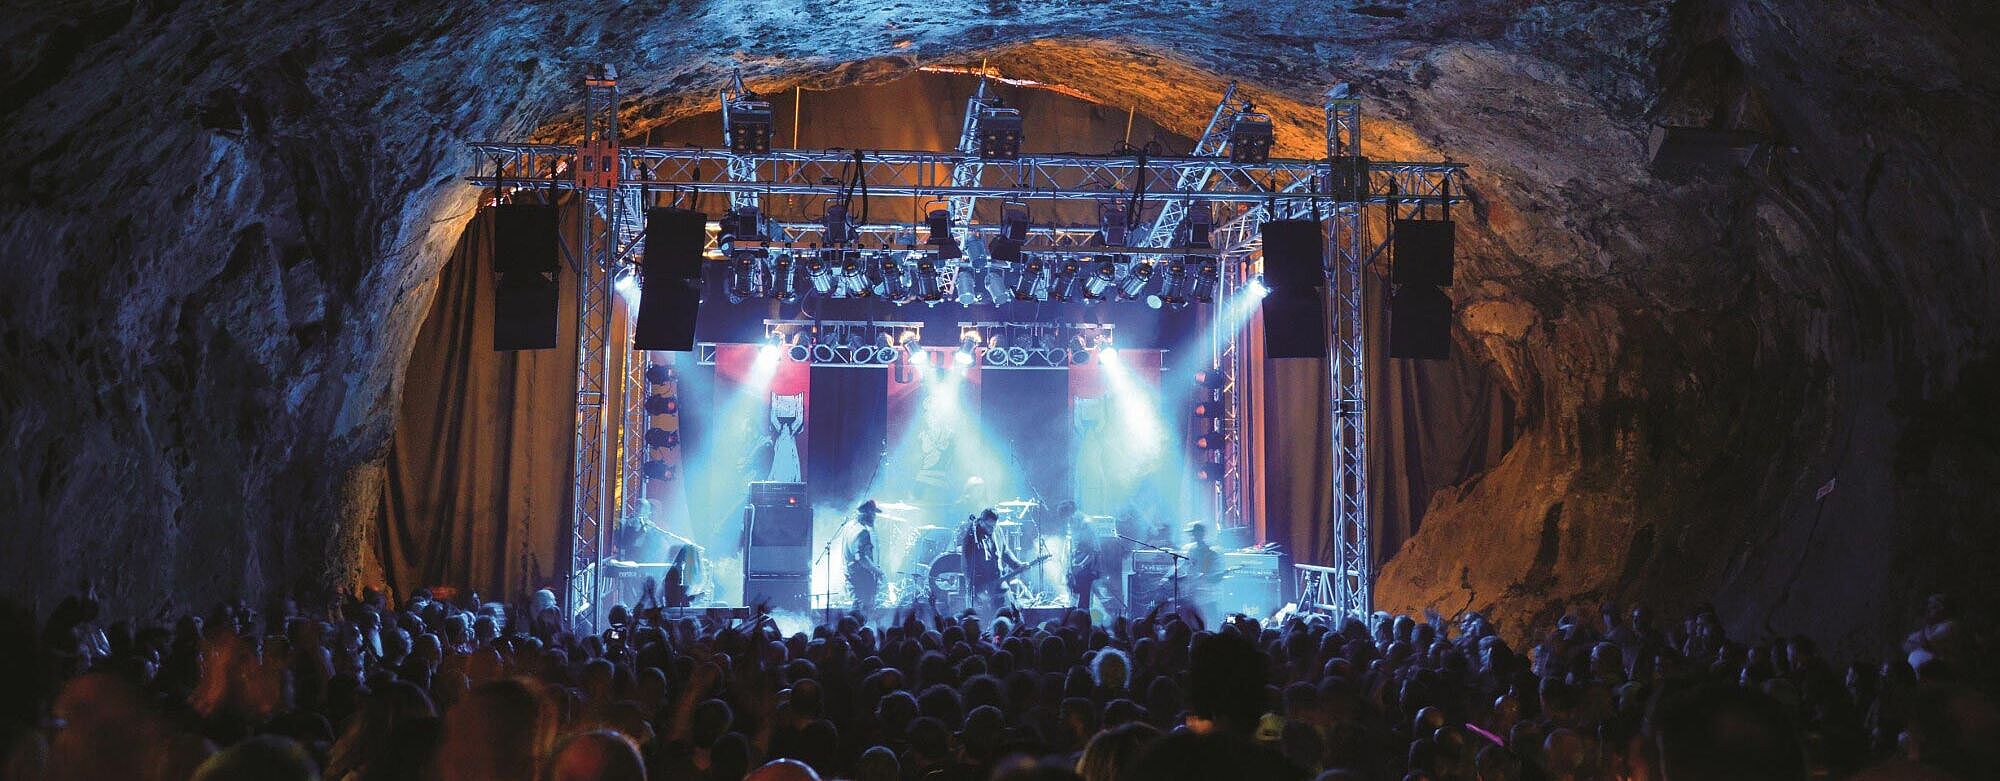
[
  {"x": 1420, "y": 323},
  {"x": 524, "y": 312},
  {"x": 1295, "y": 322},
  {"x": 787, "y": 592},
  {"x": 780, "y": 531},
  {"x": 670, "y": 280},
  {"x": 526, "y": 238},
  {"x": 1293, "y": 251},
  {"x": 1423, "y": 253}
]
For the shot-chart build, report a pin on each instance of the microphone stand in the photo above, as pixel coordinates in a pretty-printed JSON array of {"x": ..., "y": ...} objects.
[
  {"x": 1174, "y": 575},
  {"x": 824, "y": 555}
]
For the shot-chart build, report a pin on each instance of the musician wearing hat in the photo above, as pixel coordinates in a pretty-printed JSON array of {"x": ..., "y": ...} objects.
[
  {"x": 864, "y": 571},
  {"x": 985, "y": 554},
  {"x": 1203, "y": 565}
]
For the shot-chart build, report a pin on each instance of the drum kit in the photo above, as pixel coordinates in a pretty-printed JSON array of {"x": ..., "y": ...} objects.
[{"x": 933, "y": 570}]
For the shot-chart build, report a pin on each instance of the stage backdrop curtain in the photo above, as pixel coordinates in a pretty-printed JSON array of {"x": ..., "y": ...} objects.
[
  {"x": 849, "y": 423},
  {"x": 476, "y": 489},
  {"x": 1431, "y": 425},
  {"x": 1027, "y": 412}
]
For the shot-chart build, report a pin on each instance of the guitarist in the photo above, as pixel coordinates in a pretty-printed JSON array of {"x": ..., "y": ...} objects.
[
  {"x": 1202, "y": 568},
  {"x": 1083, "y": 570},
  {"x": 984, "y": 555},
  {"x": 864, "y": 569}
]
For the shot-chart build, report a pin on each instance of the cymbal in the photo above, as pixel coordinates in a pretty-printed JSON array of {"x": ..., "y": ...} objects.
[
  {"x": 1019, "y": 503},
  {"x": 1008, "y": 523},
  {"x": 892, "y": 518},
  {"x": 927, "y": 527}
]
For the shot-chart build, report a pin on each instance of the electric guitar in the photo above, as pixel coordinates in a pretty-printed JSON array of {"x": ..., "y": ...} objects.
[{"x": 1016, "y": 572}]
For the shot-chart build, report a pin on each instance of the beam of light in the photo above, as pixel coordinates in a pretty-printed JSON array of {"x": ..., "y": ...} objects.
[
  {"x": 919, "y": 357},
  {"x": 1255, "y": 288},
  {"x": 627, "y": 288},
  {"x": 735, "y": 428}
]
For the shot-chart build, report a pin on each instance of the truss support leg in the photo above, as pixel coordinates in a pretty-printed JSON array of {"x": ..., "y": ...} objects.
[{"x": 1347, "y": 249}]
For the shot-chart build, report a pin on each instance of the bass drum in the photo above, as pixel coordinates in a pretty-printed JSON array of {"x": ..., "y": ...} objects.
[{"x": 947, "y": 582}]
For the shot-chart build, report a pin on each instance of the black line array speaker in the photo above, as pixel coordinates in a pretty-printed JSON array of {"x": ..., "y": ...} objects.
[
  {"x": 1419, "y": 310},
  {"x": 670, "y": 280},
  {"x": 524, "y": 311},
  {"x": 1295, "y": 322},
  {"x": 526, "y": 253},
  {"x": 1420, "y": 323},
  {"x": 525, "y": 238},
  {"x": 1294, "y": 273},
  {"x": 1293, "y": 253},
  {"x": 1423, "y": 253}
]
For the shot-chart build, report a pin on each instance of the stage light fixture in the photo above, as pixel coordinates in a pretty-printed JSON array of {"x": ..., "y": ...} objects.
[
  {"x": 1017, "y": 356},
  {"x": 995, "y": 285},
  {"x": 742, "y": 277},
  {"x": 1111, "y": 221},
  {"x": 968, "y": 345},
  {"x": 1212, "y": 379},
  {"x": 1067, "y": 286},
  {"x": 965, "y": 282},
  {"x": 626, "y": 283},
  {"x": 1135, "y": 282},
  {"x": 785, "y": 277},
  {"x": 928, "y": 288},
  {"x": 819, "y": 271},
  {"x": 1206, "y": 409},
  {"x": 999, "y": 131},
  {"x": 743, "y": 223},
  {"x": 894, "y": 286},
  {"x": 1256, "y": 288},
  {"x": 799, "y": 352},
  {"x": 1209, "y": 471},
  {"x": 854, "y": 277},
  {"x": 1200, "y": 223},
  {"x": 1250, "y": 136},
  {"x": 938, "y": 219},
  {"x": 1207, "y": 276},
  {"x": 1209, "y": 440},
  {"x": 1108, "y": 354},
  {"x": 659, "y": 404},
  {"x": 659, "y": 374},
  {"x": 1033, "y": 282},
  {"x": 655, "y": 469},
  {"x": 1102, "y": 277},
  {"x": 659, "y": 437},
  {"x": 918, "y": 357},
  {"x": 1173, "y": 288},
  {"x": 835, "y": 230},
  {"x": 1014, "y": 218},
  {"x": 747, "y": 121}
]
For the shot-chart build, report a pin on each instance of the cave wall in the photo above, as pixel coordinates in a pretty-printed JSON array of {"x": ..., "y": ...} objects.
[{"x": 222, "y": 224}]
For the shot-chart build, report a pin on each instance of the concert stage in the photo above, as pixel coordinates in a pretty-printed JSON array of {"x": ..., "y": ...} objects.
[{"x": 1083, "y": 347}]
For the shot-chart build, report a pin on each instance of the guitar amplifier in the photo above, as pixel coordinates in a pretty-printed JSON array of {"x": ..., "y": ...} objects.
[
  {"x": 1252, "y": 584},
  {"x": 779, "y": 522},
  {"x": 1149, "y": 581}
]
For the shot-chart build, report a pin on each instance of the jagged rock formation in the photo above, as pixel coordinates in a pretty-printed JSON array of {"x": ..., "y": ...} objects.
[{"x": 221, "y": 221}]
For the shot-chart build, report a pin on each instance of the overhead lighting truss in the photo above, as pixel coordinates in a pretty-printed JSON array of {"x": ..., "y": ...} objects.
[{"x": 839, "y": 257}]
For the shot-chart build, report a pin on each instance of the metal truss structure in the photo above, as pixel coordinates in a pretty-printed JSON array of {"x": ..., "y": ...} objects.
[{"x": 615, "y": 184}]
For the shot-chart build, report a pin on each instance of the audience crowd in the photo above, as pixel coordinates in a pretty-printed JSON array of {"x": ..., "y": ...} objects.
[{"x": 435, "y": 690}]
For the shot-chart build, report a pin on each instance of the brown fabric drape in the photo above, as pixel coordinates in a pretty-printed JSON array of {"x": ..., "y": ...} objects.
[
  {"x": 1431, "y": 425},
  {"x": 477, "y": 483}
]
